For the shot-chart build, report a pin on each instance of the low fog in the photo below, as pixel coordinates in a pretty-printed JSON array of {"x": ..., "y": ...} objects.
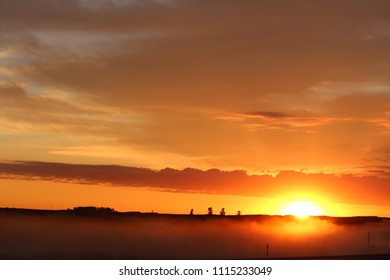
[{"x": 65, "y": 236}]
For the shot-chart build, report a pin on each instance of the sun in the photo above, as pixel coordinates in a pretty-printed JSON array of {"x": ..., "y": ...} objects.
[{"x": 302, "y": 209}]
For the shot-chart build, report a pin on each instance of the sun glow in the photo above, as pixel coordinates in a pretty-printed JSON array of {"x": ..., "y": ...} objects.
[{"x": 302, "y": 209}]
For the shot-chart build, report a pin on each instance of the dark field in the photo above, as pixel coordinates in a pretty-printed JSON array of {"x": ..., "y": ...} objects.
[{"x": 68, "y": 234}]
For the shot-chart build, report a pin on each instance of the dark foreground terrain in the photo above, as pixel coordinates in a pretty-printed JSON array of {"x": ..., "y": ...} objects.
[{"x": 102, "y": 233}]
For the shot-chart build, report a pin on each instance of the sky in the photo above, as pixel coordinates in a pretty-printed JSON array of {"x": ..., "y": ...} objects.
[{"x": 169, "y": 105}]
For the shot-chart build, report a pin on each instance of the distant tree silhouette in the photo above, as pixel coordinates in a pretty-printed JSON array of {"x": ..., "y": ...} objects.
[
  {"x": 238, "y": 213},
  {"x": 192, "y": 212},
  {"x": 210, "y": 211},
  {"x": 91, "y": 210},
  {"x": 222, "y": 212}
]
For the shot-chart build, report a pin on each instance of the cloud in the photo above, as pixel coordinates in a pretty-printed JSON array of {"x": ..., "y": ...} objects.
[
  {"x": 378, "y": 161},
  {"x": 344, "y": 188},
  {"x": 52, "y": 110},
  {"x": 293, "y": 120},
  {"x": 141, "y": 74},
  {"x": 276, "y": 53},
  {"x": 272, "y": 115},
  {"x": 186, "y": 180}
]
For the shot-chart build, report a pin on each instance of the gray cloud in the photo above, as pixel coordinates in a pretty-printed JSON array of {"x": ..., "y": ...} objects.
[
  {"x": 350, "y": 189},
  {"x": 273, "y": 115}
]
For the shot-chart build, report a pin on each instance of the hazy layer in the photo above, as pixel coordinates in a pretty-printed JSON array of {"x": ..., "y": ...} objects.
[{"x": 195, "y": 237}]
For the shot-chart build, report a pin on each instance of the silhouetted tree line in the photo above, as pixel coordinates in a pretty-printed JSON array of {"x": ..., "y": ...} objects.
[{"x": 93, "y": 210}]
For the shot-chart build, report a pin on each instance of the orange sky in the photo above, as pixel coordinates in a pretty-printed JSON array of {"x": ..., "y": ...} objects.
[{"x": 264, "y": 87}]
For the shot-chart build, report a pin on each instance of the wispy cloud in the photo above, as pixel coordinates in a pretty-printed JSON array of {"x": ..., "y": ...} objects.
[
  {"x": 117, "y": 71},
  {"x": 277, "y": 120}
]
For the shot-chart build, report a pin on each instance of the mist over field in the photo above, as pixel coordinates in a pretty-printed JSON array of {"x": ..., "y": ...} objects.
[{"x": 64, "y": 236}]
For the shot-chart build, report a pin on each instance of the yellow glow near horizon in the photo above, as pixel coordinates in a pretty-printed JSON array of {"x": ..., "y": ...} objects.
[
  {"x": 39, "y": 194},
  {"x": 302, "y": 209}
]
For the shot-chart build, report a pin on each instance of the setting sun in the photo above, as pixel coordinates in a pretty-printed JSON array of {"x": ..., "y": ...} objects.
[{"x": 302, "y": 209}]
